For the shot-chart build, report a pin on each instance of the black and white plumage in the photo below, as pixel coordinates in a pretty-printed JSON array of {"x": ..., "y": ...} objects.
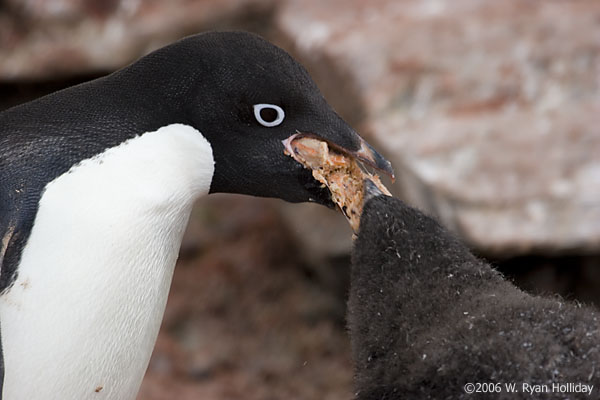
[
  {"x": 96, "y": 186},
  {"x": 426, "y": 317}
]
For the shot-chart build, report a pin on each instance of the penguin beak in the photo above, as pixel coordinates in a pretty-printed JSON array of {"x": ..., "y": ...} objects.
[
  {"x": 365, "y": 153},
  {"x": 368, "y": 155}
]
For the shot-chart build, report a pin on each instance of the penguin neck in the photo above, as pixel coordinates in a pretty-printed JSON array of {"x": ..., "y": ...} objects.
[{"x": 96, "y": 271}]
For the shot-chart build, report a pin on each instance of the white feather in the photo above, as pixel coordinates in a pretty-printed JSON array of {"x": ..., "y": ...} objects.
[{"x": 83, "y": 316}]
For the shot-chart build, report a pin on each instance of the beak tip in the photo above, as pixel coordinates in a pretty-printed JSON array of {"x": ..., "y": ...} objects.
[
  {"x": 386, "y": 167},
  {"x": 368, "y": 154}
]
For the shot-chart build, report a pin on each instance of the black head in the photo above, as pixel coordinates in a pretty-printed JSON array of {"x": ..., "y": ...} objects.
[{"x": 246, "y": 96}]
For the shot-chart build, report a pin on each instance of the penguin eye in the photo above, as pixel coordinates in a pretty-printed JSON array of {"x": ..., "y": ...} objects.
[{"x": 268, "y": 115}]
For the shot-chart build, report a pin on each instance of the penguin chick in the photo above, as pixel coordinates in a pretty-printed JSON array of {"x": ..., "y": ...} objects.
[{"x": 426, "y": 318}]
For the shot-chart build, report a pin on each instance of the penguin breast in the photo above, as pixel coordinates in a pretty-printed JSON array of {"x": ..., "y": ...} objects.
[{"x": 95, "y": 273}]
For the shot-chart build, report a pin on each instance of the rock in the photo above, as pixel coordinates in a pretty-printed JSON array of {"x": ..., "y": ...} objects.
[
  {"x": 489, "y": 111},
  {"x": 43, "y": 40}
]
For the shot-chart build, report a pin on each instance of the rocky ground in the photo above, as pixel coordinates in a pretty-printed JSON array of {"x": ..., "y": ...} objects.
[{"x": 488, "y": 109}]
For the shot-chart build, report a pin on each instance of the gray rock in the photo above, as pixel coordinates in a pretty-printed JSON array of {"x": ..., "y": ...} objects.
[
  {"x": 489, "y": 111},
  {"x": 50, "y": 39}
]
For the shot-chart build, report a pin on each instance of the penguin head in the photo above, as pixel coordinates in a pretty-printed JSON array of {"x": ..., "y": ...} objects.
[{"x": 246, "y": 96}]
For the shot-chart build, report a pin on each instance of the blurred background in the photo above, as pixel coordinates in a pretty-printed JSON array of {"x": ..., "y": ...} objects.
[{"x": 489, "y": 111}]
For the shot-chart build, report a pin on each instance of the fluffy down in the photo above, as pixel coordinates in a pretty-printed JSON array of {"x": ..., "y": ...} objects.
[{"x": 426, "y": 317}]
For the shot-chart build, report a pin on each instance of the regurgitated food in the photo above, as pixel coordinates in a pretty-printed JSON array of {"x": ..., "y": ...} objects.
[{"x": 341, "y": 173}]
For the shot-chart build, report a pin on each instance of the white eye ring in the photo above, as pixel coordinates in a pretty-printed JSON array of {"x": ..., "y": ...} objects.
[{"x": 277, "y": 121}]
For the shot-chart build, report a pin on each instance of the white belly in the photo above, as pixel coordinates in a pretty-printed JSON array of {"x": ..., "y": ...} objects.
[{"x": 81, "y": 320}]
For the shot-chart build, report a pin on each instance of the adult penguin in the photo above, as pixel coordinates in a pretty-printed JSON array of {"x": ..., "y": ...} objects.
[{"x": 96, "y": 186}]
